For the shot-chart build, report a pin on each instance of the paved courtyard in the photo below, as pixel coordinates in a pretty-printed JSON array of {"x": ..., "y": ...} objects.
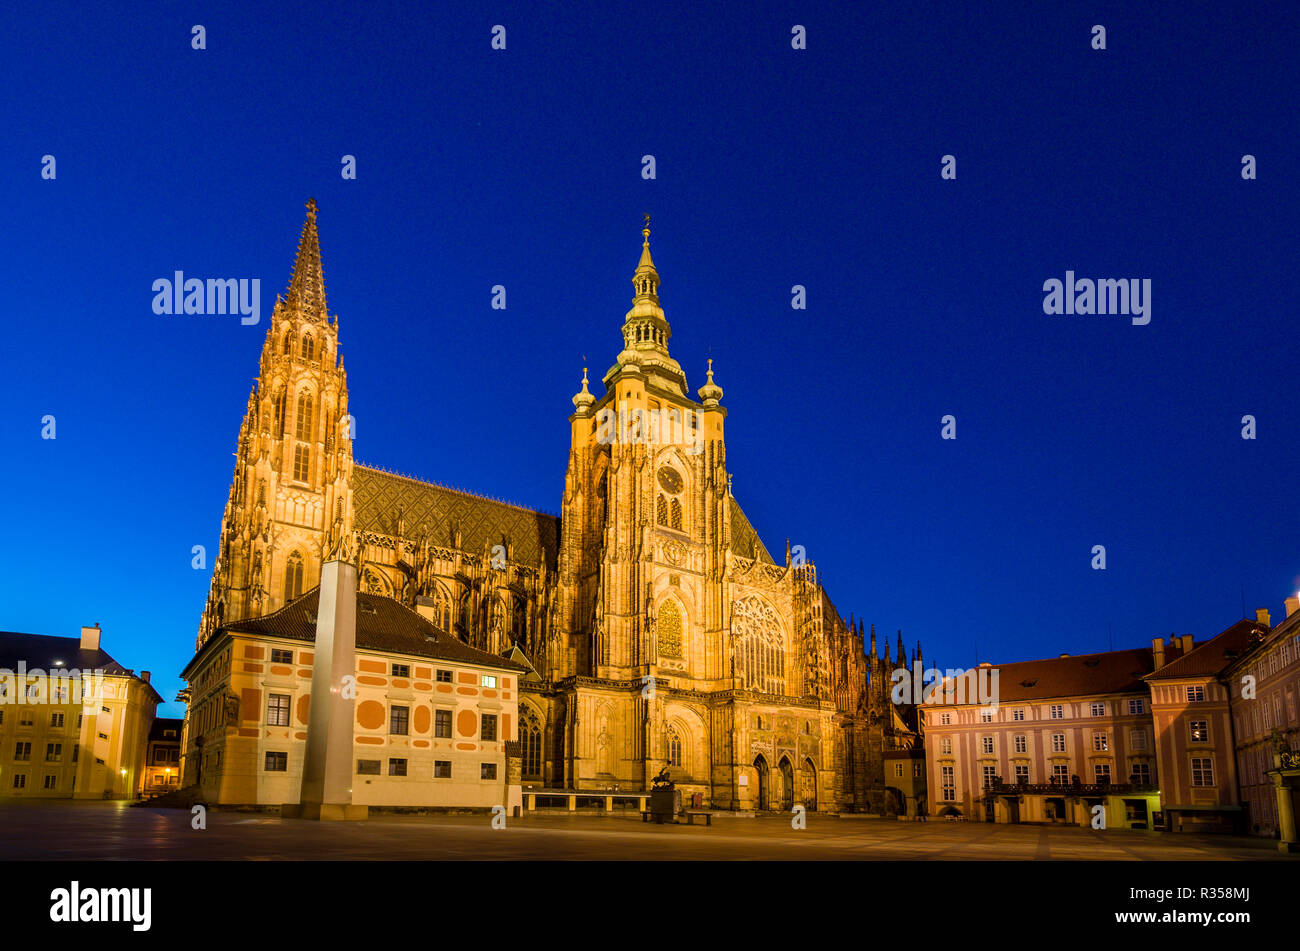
[{"x": 108, "y": 830}]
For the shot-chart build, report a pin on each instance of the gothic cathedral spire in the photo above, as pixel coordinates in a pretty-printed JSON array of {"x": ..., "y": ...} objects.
[
  {"x": 306, "y": 292},
  {"x": 290, "y": 500},
  {"x": 646, "y": 331}
]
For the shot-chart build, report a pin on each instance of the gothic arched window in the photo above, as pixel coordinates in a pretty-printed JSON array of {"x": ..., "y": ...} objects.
[
  {"x": 288, "y": 342},
  {"x": 668, "y": 507},
  {"x": 278, "y": 402},
  {"x": 759, "y": 645},
  {"x": 674, "y": 747},
  {"x": 519, "y": 621},
  {"x": 302, "y": 427},
  {"x": 301, "y": 464},
  {"x": 466, "y": 613},
  {"x": 308, "y": 347},
  {"x": 668, "y": 625},
  {"x": 293, "y": 577},
  {"x": 530, "y": 741}
]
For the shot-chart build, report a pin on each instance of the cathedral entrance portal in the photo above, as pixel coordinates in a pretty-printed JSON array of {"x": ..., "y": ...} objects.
[
  {"x": 764, "y": 784},
  {"x": 808, "y": 785},
  {"x": 787, "y": 784}
]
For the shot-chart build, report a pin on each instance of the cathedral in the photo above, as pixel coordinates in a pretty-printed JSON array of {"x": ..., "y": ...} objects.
[{"x": 656, "y": 628}]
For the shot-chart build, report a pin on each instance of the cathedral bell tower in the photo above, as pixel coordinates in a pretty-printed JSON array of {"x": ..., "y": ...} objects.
[
  {"x": 645, "y": 513},
  {"x": 290, "y": 500}
]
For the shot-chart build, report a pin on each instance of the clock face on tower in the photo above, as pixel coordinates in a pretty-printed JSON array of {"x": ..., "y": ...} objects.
[{"x": 670, "y": 479}]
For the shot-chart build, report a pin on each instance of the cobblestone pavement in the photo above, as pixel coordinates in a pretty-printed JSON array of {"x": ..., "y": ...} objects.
[{"x": 109, "y": 830}]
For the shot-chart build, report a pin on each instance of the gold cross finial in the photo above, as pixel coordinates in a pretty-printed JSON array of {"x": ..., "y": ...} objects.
[{"x": 646, "y": 230}]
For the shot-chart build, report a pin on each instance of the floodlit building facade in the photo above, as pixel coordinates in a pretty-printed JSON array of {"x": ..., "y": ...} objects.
[
  {"x": 74, "y": 722},
  {"x": 1068, "y": 735},
  {"x": 1184, "y": 736},
  {"x": 431, "y": 717},
  {"x": 656, "y": 629}
]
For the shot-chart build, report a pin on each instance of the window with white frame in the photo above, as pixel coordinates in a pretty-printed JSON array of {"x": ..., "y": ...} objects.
[
  {"x": 990, "y": 774},
  {"x": 1058, "y": 742},
  {"x": 1196, "y": 693},
  {"x": 1142, "y": 774},
  {"x": 1101, "y": 773},
  {"x": 1198, "y": 731},
  {"x": 945, "y": 746},
  {"x": 1098, "y": 709},
  {"x": 1101, "y": 742},
  {"x": 1135, "y": 706},
  {"x": 986, "y": 744},
  {"x": 1202, "y": 771},
  {"x": 1138, "y": 739},
  {"x": 1022, "y": 743},
  {"x": 1022, "y": 772},
  {"x": 1018, "y": 713},
  {"x": 945, "y": 719},
  {"x": 949, "y": 790},
  {"x": 986, "y": 716},
  {"x": 1060, "y": 774},
  {"x": 1057, "y": 711}
]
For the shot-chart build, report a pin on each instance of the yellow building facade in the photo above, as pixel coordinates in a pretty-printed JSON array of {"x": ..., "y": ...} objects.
[
  {"x": 655, "y": 628},
  {"x": 74, "y": 723}
]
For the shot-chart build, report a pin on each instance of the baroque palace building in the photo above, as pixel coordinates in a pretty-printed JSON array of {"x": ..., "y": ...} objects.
[
  {"x": 655, "y": 627},
  {"x": 1189, "y": 736}
]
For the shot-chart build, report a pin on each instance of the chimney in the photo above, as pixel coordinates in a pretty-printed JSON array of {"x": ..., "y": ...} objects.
[
  {"x": 144, "y": 675},
  {"x": 1187, "y": 643},
  {"x": 1292, "y": 604},
  {"x": 1262, "y": 616},
  {"x": 1158, "y": 652},
  {"x": 90, "y": 638}
]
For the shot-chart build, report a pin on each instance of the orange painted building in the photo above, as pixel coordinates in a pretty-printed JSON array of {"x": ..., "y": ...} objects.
[{"x": 433, "y": 716}]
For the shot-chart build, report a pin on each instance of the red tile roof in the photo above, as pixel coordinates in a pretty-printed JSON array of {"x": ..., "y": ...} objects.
[
  {"x": 1079, "y": 675},
  {"x": 1210, "y": 657}
]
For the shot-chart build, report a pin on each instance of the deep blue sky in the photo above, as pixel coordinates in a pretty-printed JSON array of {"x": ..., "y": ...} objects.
[{"x": 775, "y": 168}]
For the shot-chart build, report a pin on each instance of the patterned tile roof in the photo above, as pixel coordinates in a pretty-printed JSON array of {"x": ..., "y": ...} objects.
[
  {"x": 744, "y": 539},
  {"x": 431, "y": 509},
  {"x": 382, "y": 625}
]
